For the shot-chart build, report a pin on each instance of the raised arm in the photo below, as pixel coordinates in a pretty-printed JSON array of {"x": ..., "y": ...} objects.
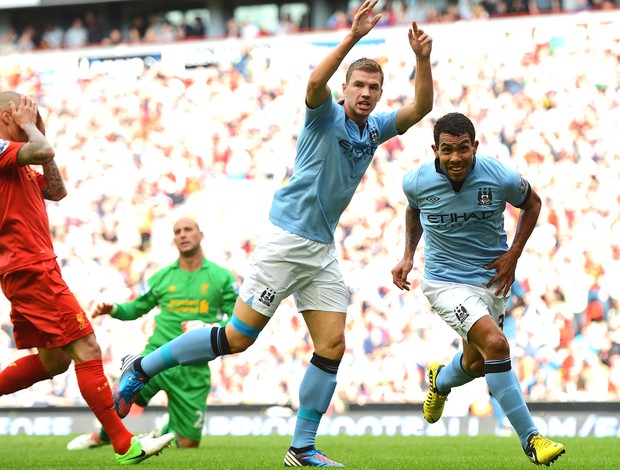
[
  {"x": 25, "y": 115},
  {"x": 55, "y": 189},
  {"x": 317, "y": 90},
  {"x": 413, "y": 233},
  {"x": 411, "y": 113}
]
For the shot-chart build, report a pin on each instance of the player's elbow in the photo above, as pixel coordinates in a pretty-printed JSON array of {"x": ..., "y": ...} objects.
[
  {"x": 60, "y": 194},
  {"x": 56, "y": 195},
  {"x": 43, "y": 155}
]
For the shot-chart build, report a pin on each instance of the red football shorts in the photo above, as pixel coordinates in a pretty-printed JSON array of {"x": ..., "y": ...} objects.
[{"x": 44, "y": 312}]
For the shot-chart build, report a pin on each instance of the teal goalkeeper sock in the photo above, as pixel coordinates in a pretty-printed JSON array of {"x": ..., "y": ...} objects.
[{"x": 453, "y": 375}]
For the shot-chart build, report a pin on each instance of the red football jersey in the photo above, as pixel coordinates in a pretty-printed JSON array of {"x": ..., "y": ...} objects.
[{"x": 24, "y": 227}]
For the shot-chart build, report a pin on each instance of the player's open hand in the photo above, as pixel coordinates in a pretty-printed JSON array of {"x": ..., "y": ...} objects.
[
  {"x": 420, "y": 42},
  {"x": 102, "y": 309},
  {"x": 364, "y": 19},
  {"x": 25, "y": 113},
  {"x": 400, "y": 273},
  {"x": 505, "y": 266}
]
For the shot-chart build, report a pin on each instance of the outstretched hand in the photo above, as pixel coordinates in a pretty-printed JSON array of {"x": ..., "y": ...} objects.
[
  {"x": 364, "y": 20},
  {"x": 420, "y": 42},
  {"x": 102, "y": 309}
]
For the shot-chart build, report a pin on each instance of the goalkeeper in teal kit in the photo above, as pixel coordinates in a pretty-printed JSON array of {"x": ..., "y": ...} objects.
[{"x": 191, "y": 292}]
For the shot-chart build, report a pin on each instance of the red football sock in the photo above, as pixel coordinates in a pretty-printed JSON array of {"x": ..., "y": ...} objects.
[
  {"x": 96, "y": 391},
  {"x": 22, "y": 374}
]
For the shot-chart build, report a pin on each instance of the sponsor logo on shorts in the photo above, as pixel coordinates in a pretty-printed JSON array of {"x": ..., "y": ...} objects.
[
  {"x": 461, "y": 313},
  {"x": 267, "y": 296}
]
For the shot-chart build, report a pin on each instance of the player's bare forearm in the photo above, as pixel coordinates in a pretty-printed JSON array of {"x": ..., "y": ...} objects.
[
  {"x": 317, "y": 89},
  {"x": 506, "y": 264},
  {"x": 413, "y": 233},
  {"x": 528, "y": 217},
  {"x": 37, "y": 151},
  {"x": 55, "y": 189},
  {"x": 424, "y": 92},
  {"x": 412, "y": 113}
]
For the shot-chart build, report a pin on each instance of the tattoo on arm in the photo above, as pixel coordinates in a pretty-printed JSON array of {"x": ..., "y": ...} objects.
[{"x": 55, "y": 189}]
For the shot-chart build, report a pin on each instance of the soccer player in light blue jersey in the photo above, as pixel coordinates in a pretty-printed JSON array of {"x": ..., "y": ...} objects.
[
  {"x": 334, "y": 149},
  {"x": 458, "y": 203}
]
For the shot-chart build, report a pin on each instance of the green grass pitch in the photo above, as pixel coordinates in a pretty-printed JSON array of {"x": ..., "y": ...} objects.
[{"x": 361, "y": 452}]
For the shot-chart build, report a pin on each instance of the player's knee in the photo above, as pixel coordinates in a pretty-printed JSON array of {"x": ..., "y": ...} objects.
[
  {"x": 497, "y": 348},
  {"x": 238, "y": 342},
  {"x": 474, "y": 367},
  {"x": 84, "y": 349},
  {"x": 240, "y": 335},
  {"x": 58, "y": 364},
  {"x": 332, "y": 347}
]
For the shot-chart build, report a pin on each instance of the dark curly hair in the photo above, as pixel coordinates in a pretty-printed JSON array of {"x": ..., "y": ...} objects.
[{"x": 454, "y": 124}]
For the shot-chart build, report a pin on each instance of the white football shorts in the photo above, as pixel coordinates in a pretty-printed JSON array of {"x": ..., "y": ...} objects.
[
  {"x": 461, "y": 305},
  {"x": 284, "y": 264}
]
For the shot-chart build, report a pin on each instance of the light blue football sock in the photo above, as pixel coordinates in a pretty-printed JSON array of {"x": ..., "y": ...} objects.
[
  {"x": 315, "y": 394},
  {"x": 452, "y": 375},
  {"x": 505, "y": 387},
  {"x": 192, "y": 347},
  {"x": 498, "y": 412}
]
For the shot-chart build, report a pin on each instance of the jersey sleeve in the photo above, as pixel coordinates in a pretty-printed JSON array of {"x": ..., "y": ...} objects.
[
  {"x": 137, "y": 307},
  {"x": 516, "y": 187},
  {"x": 8, "y": 153},
  {"x": 386, "y": 123},
  {"x": 322, "y": 115},
  {"x": 230, "y": 291},
  {"x": 409, "y": 188}
]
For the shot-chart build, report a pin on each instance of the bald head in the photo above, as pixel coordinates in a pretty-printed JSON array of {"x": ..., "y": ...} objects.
[
  {"x": 17, "y": 111},
  {"x": 185, "y": 222},
  {"x": 7, "y": 97},
  {"x": 187, "y": 238}
]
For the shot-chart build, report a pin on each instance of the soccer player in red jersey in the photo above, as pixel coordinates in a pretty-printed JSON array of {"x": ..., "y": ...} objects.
[{"x": 44, "y": 312}]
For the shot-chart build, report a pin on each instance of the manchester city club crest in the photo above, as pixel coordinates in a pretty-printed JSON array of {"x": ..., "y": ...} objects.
[
  {"x": 485, "y": 197},
  {"x": 374, "y": 136},
  {"x": 461, "y": 313}
]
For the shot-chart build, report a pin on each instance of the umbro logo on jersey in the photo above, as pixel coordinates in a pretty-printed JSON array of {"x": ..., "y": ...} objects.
[
  {"x": 267, "y": 296},
  {"x": 3, "y": 145},
  {"x": 432, "y": 199}
]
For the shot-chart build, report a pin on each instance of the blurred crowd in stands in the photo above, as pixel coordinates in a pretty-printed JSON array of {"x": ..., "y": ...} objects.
[
  {"x": 214, "y": 142},
  {"x": 90, "y": 29}
]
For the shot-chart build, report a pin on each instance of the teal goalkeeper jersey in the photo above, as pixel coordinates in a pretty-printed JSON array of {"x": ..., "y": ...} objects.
[{"x": 208, "y": 294}]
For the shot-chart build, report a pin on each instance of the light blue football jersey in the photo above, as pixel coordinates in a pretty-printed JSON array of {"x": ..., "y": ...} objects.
[
  {"x": 464, "y": 230},
  {"x": 332, "y": 157}
]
